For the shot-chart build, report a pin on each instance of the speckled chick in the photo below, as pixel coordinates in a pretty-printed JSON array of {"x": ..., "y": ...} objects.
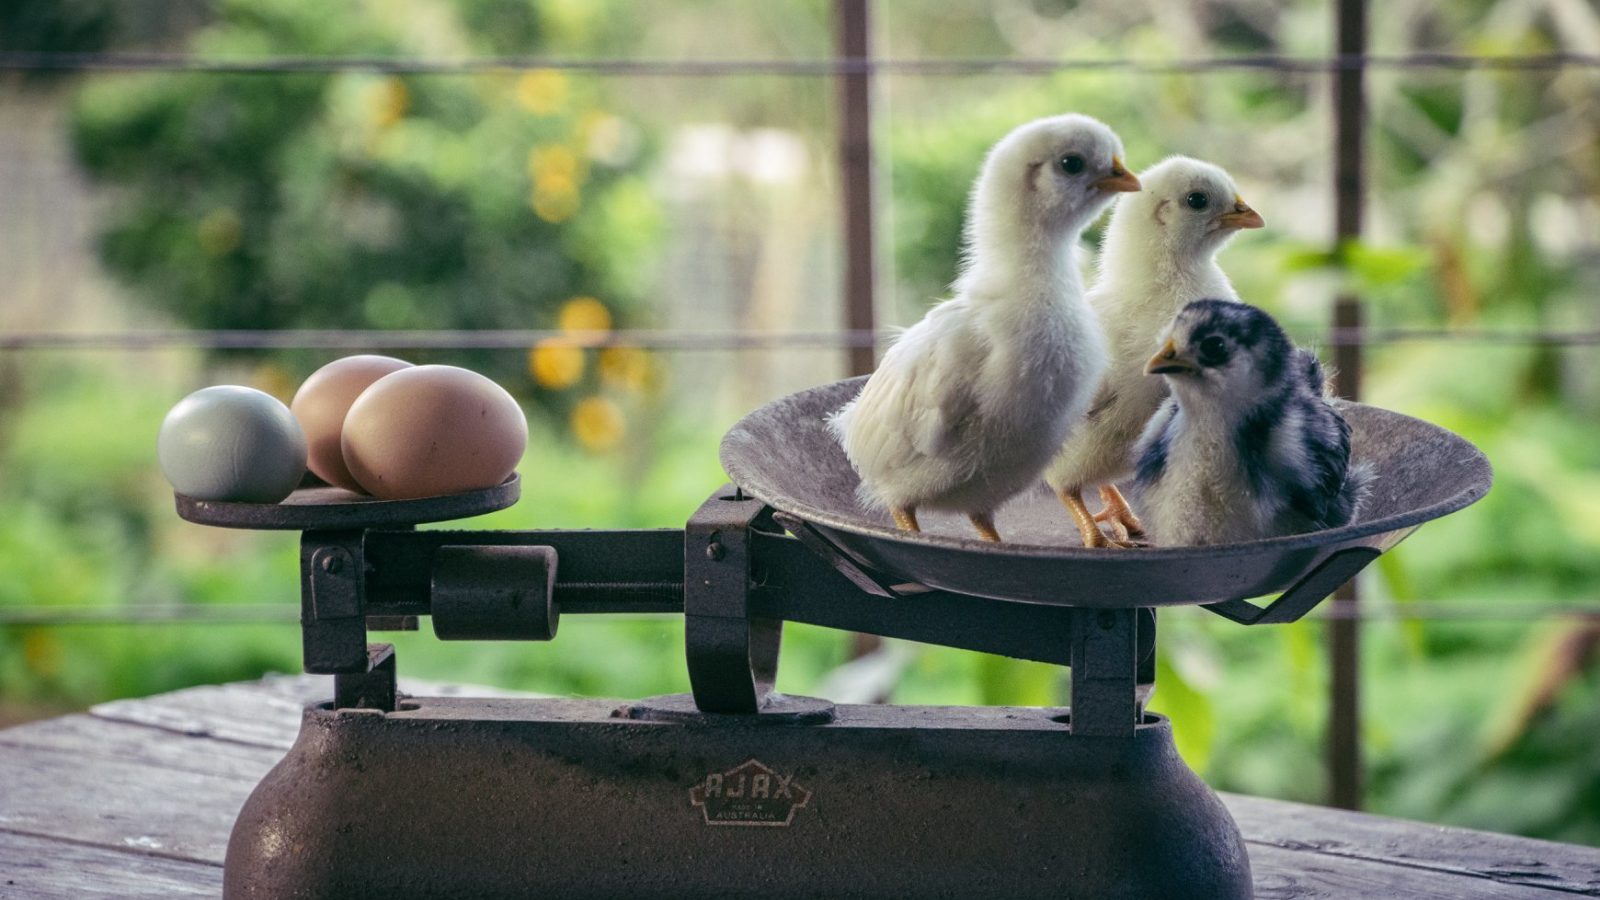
[
  {"x": 971, "y": 402},
  {"x": 1248, "y": 446},
  {"x": 1159, "y": 252}
]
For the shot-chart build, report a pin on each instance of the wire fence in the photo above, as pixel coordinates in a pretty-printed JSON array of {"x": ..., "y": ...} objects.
[
  {"x": 804, "y": 68},
  {"x": 1344, "y": 66},
  {"x": 855, "y": 63},
  {"x": 648, "y": 339},
  {"x": 289, "y": 613},
  {"x": 156, "y": 340}
]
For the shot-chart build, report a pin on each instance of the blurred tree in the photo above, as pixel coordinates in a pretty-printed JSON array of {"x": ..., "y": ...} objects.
[
  {"x": 369, "y": 200},
  {"x": 54, "y": 25},
  {"x": 1482, "y": 204},
  {"x": 361, "y": 200}
]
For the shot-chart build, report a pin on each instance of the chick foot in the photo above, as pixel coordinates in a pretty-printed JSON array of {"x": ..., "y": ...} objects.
[
  {"x": 1088, "y": 528},
  {"x": 984, "y": 523},
  {"x": 906, "y": 518},
  {"x": 1117, "y": 512}
]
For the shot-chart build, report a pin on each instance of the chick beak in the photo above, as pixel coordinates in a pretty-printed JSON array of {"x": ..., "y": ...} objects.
[
  {"x": 1119, "y": 181},
  {"x": 1242, "y": 216},
  {"x": 1167, "y": 361}
]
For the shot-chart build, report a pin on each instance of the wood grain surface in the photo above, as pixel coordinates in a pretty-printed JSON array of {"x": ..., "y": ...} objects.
[{"x": 135, "y": 799}]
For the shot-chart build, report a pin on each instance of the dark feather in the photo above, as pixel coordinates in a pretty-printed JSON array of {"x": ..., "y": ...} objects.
[
  {"x": 1101, "y": 404},
  {"x": 1316, "y": 379},
  {"x": 1251, "y": 329},
  {"x": 1318, "y": 494},
  {"x": 1152, "y": 455},
  {"x": 1290, "y": 443},
  {"x": 1253, "y": 439}
]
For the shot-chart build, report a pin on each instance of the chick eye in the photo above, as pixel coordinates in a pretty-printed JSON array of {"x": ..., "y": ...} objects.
[
  {"x": 1072, "y": 164},
  {"x": 1197, "y": 200},
  {"x": 1213, "y": 347}
]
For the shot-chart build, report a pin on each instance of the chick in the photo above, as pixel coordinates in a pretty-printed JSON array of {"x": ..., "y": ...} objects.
[
  {"x": 1159, "y": 253},
  {"x": 971, "y": 402},
  {"x": 1248, "y": 446}
]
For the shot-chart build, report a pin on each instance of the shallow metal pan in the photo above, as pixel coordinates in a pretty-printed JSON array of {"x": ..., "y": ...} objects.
[{"x": 784, "y": 455}]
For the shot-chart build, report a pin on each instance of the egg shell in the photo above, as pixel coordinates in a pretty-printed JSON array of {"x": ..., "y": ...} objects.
[
  {"x": 322, "y": 403},
  {"x": 432, "y": 430},
  {"x": 232, "y": 443}
]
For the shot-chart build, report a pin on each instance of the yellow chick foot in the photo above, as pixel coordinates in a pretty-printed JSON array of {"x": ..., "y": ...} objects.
[
  {"x": 906, "y": 518},
  {"x": 984, "y": 523},
  {"x": 1119, "y": 515},
  {"x": 1088, "y": 528}
]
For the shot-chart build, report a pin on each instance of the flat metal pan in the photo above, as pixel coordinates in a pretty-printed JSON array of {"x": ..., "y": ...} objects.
[
  {"x": 784, "y": 455},
  {"x": 324, "y": 508}
]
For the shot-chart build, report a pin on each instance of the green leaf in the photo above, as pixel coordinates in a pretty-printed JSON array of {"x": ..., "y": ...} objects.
[{"x": 1194, "y": 721}]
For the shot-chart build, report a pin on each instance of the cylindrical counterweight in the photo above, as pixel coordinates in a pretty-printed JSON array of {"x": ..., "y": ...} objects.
[{"x": 494, "y": 593}]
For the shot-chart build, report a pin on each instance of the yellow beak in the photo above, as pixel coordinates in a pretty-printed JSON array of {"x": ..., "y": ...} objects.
[
  {"x": 1167, "y": 361},
  {"x": 1242, "y": 216},
  {"x": 1120, "y": 180}
]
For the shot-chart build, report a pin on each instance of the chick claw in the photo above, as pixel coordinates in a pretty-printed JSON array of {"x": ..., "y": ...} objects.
[
  {"x": 984, "y": 523},
  {"x": 1124, "y": 524},
  {"x": 906, "y": 518},
  {"x": 1087, "y": 526}
]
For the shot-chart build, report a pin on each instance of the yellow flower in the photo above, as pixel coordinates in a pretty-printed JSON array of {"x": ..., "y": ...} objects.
[
  {"x": 626, "y": 368},
  {"x": 388, "y": 102},
  {"x": 274, "y": 379},
  {"x": 549, "y": 163},
  {"x": 556, "y": 363},
  {"x": 597, "y": 423},
  {"x": 555, "y": 202},
  {"x": 219, "y": 232},
  {"x": 542, "y": 91},
  {"x": 584, "y": 315}
]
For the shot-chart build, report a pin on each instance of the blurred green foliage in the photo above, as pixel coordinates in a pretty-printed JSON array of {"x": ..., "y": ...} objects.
[
  {"x": 361, "y": 200},
  {"x": 366, "y": 200},
  {"x": 1475, "y": 723}
]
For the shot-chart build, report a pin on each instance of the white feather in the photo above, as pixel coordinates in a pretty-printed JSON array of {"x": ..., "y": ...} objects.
[
  {"x": 970, "y": 403},
  {"x": 1203, "y": 496},
  {"x": 1157, "y": 255}
]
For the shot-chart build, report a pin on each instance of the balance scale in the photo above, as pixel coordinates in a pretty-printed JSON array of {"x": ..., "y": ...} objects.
[{"x": 734, "y": 789}]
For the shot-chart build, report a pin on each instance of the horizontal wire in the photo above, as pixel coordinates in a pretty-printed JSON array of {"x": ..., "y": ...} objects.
[
  {"x": 151, "y": 614},
  {"x": 161, "y": 62},
  {"x": 287, "y": 613},
  {"x": 437, "y": 339},
  {"x": 522, "y": 339},
  {"x": 1441, "y": 611}
]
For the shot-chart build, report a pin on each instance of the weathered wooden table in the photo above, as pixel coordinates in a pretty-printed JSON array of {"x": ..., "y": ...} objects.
[{"x": 136, "y": 798}]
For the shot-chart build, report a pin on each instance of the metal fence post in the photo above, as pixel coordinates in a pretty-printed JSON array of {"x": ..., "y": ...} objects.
[
  {"x": 853, "y": 44},
  {"x": 1344, "y": 636}
]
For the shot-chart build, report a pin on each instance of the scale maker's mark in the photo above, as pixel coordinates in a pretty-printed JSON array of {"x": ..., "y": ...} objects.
[{"x": 749, "y": 794}]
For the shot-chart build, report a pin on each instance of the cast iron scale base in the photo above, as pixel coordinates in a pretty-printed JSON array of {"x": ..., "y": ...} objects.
[{"x": 736, "y": 790}]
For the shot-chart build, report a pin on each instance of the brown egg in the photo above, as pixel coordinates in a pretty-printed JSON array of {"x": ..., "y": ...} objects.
[
  {"x": 431, "y": 430},
  {"x": 321, "y": 404}
]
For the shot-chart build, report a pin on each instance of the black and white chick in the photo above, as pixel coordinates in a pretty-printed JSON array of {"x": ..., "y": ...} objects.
[
  {"x": 1248, "y": 445},
  {"x": 1159, "y": 252},
  {"x": 971, "y": 402}
]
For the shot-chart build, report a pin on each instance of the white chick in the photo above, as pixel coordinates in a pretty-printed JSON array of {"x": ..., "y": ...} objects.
[
  {"x": 1159, "y": 252},
  {"x": 1248, "y": 446},
  {"x": 971, "y": 402}
]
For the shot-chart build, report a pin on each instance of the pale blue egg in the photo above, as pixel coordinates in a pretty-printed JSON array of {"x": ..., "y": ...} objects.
[{"x": 232, "y": 443}]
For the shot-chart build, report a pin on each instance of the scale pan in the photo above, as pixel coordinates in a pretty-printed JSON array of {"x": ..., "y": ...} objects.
[
  {"x": 320, "y": 507},
  {"x": 783, "y": 455}
]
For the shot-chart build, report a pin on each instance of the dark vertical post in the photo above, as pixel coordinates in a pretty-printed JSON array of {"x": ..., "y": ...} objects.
[
  {"x": 1344, "y": 632},
  {"x": 853, "y": 45},
  {"x": 1105, "y": 672},
  {"x": 853, "y": 42}
]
